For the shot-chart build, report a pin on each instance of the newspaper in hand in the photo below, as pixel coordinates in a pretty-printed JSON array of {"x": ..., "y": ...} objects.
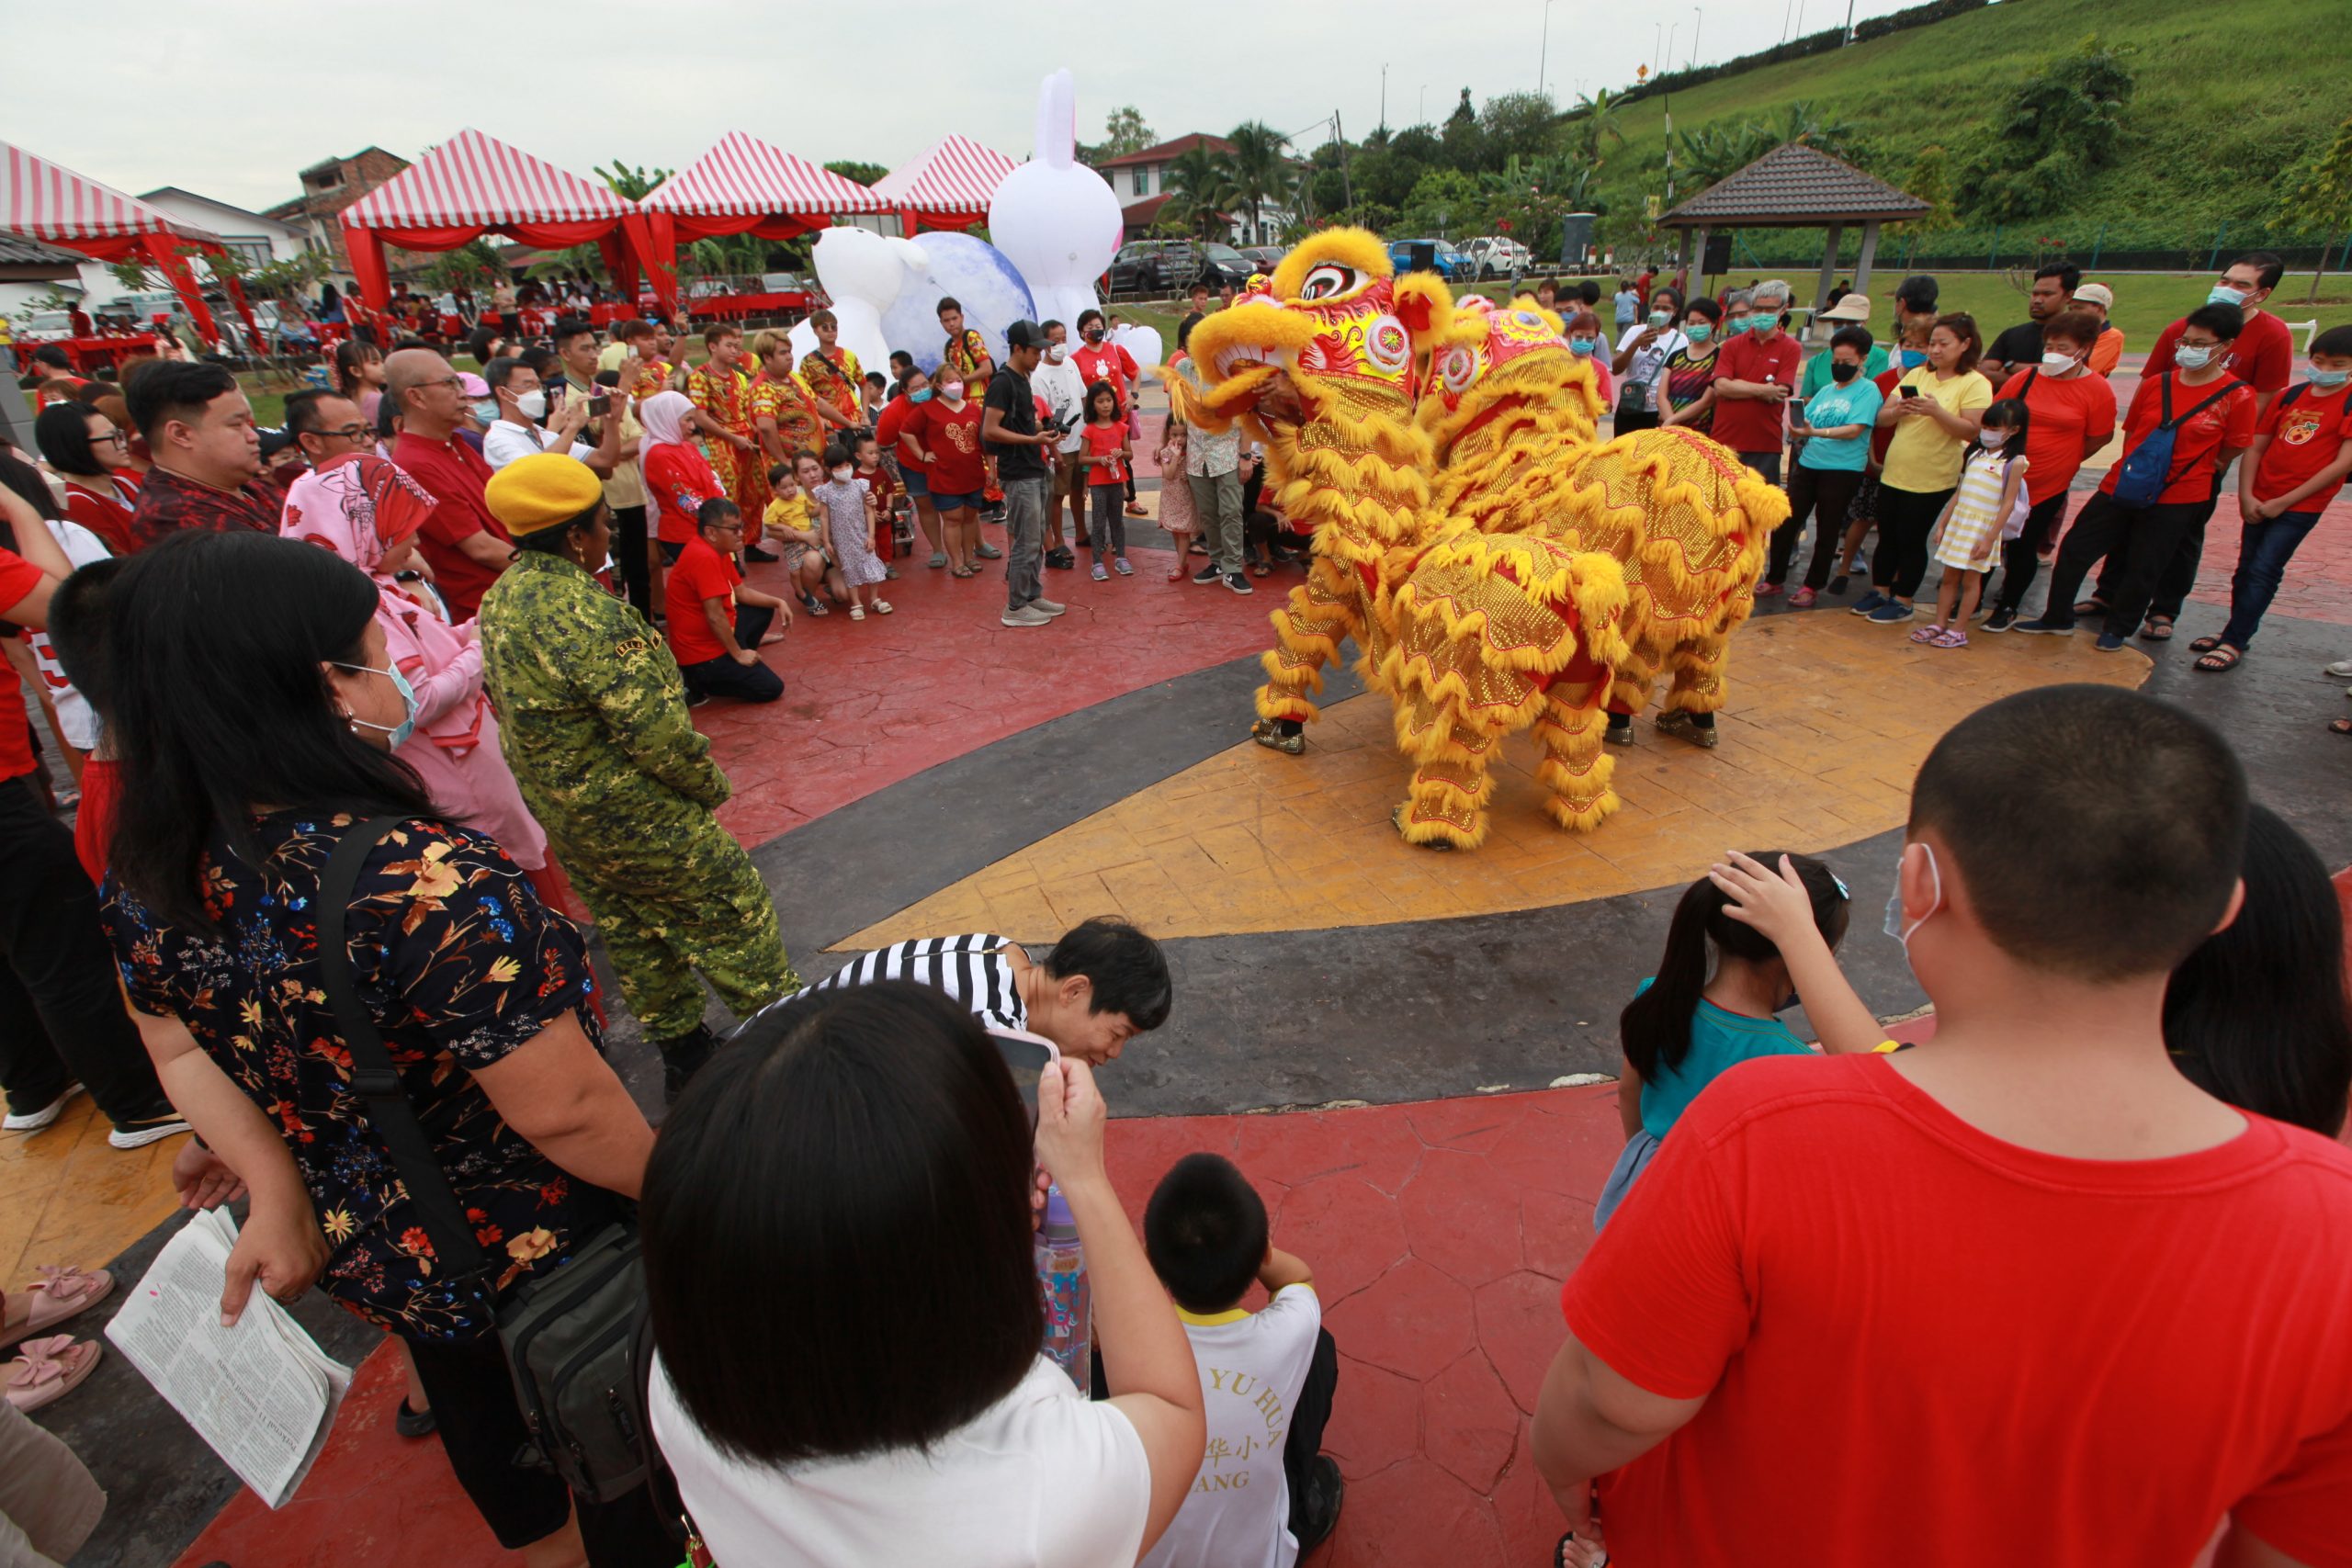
[{"x": 262, "y": 1393}]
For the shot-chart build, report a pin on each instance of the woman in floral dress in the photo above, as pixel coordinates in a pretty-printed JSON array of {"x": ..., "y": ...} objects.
[{"x": 481, "y": 993}]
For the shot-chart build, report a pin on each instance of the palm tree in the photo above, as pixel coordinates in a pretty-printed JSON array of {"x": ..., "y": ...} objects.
[
  {"x": 1595, "y": 114},
  {"x": 1712, "y": 152},
  {"x": 1200, "y": 187},
  {"x": 1819, "y": 130},
  {"x": 1259, "y": 171}
]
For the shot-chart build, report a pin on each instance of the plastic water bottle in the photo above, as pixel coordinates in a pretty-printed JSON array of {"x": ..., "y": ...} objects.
[{"x": 1069, "y": 1296}]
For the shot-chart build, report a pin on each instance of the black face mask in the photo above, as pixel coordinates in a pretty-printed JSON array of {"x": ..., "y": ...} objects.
[
  {"x": 1844, "y": 372},
  {"x": 1094, "y": 334}
]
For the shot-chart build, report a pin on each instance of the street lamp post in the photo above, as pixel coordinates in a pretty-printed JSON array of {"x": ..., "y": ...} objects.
[
  {"x": 1544, "y": 49},
  {"x": 1384, "y": 96},
  {"x": 1699, "y": 16}
]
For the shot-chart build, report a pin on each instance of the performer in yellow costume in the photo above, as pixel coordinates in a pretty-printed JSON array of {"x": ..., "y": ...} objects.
[{"x": 1497, "y": 569}]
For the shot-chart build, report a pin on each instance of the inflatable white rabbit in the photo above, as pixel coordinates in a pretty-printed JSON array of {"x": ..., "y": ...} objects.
[
  {"x": 1053, "y": 217},
  {"x": 863, "y": 272}
]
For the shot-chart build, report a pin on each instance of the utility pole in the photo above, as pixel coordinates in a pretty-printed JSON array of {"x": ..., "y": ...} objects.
[{"x": 1849, "y": 23}]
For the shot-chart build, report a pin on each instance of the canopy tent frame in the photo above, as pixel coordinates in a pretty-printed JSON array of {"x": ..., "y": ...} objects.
[
  {"x": 47, "y": 201},
  {"x": 741, "y": 185},
  {"x": 474, "y": 184}
]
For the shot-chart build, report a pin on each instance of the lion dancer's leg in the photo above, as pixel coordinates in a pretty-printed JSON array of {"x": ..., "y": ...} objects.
[
  {"x": 1321, "y": 613},
  {"x": 1628, "y": 696},
  {"x": 1575, "y": 767},
  {"x": 1699, "y": 689},
  {"x": 1446, "y": 807}
]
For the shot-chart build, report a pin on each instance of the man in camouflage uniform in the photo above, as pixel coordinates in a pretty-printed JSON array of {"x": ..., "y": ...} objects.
[{"x": 592, "y": 719}]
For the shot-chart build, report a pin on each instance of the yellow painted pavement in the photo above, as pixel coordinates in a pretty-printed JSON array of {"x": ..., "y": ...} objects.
[{"x": 1830, "y": 718}]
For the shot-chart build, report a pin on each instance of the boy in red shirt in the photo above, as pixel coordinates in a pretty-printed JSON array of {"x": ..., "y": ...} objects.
[
  {"x": 2026, "y": 1291},
  {"x": 2213, "y": 415},
  {"x": 2295, "y": 467},
  {"x": 717, "y": 625},
  {"x": 866, "y": 454}
]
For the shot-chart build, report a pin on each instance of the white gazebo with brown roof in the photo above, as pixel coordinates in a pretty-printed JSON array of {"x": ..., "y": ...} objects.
[{"x": 1796, "y": 186}]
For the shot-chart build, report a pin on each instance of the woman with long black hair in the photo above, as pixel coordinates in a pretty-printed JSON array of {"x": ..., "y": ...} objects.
[{"x": 251, "y": 744}]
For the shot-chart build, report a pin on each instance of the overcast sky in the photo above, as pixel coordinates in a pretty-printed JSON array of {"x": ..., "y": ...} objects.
[{"x": 232, "y": 98}]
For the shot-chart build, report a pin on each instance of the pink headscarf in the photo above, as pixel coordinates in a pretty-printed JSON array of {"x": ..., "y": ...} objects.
[
  {"x": 664, "y": 416},
  {"x": 359, "y": 507}
]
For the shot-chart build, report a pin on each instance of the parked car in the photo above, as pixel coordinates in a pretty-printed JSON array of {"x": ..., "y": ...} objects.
[
  {"x": 1498, "y": 255},
  {"x": 1451, "y": 264},
  {"x": 1267, "y": 257},
  {"x": 1166, "y": 266},
  {"x": 45, "y": 326}
]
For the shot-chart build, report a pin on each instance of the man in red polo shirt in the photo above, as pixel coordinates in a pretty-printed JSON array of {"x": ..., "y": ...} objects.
[
  {"x": 206, "y": 454},
  {"x": 716, "y": 623},
  {"x": 2263, "y": 356},
  {"x": 466, "y": 547},
  {"x": 2025, "y": 1294}
]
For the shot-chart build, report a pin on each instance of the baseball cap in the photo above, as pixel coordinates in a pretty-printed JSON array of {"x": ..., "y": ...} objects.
[
  {"x": 1855, "y": 306},
  {"x": 1026, "y": 335},
  {"x": 2098, "y": 293},
  {"x": 472, "y": 386}
]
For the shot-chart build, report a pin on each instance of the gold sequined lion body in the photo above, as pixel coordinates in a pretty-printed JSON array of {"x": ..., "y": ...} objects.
[{"x": 1497, "y": 568}]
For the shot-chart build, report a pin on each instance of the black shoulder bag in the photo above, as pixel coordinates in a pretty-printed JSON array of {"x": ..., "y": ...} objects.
[{"x": 571, "y": 1334}]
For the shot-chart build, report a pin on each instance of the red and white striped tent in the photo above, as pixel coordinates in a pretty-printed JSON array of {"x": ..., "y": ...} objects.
[
  {"x": 474, "y": 184},
  {"x": 47, "y": 201},
  {"x": 742, "y": 186},
  {"x": 947, "y": 187}
]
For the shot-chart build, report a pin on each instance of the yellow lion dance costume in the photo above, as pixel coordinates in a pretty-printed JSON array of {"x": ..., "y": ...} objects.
[{"x": 1497, "y": 568}]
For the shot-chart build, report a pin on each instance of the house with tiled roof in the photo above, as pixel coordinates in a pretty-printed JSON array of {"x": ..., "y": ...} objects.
[{"x": 1140, "y": 182}]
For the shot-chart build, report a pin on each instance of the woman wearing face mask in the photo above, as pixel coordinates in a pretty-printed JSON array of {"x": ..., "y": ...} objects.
[
  {"x": 1586, "y": 341},
  {"x": 1834, "y": 432},
  {"x": 1934, "y": 414},
  {"x": 946, "y": 441},
  {"x": 1691, "y": 369},
  {"x": 896, "y": 429},
  {"x": 366, "y": 511},
  {"x": 1640, "y": 362},
  {"x": 2073, "y": 416},
  {"x": 221, "y": 847}
]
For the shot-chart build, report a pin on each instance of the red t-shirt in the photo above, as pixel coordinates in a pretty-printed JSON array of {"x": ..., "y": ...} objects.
[
  {"x": 951, "y": 437},
  {"x": 108, "y": 516},
  {"x": 1107, "y": 361},
  {"x": 2262, "y": 355},
  {"x": 2307, "y": 430},
  {"x": 1915, "y": 1340},
  {"x": 1105, "y": 441},
  {"x": 886, "y": 496},
  {"x": 455, "y": 474},
  {"x": 1753, "y": 424},
  {"x": 1885, "y": 433},
  {"x": 898, "y": 414},
  {"x": 680, "y": 480},
  {"x": 2068, "y": 411},
  {"x": 19, "y": 577},
  {"x": 2198, "y": 442},
  {"x": 701, "y": 574}
]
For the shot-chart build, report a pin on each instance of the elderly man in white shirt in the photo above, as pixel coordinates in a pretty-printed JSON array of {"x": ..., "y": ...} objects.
[{"x": 521, "y": 404}]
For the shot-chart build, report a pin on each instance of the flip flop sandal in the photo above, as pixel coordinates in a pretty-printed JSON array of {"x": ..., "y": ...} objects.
[
  {"x": 59, "y": 1294},
  {"x": 2091, "y": 607},
  {"x": 2339, "y": 726},
  {"x": 2217, "y": 657},
  {"x": 2158, "y": 629},
  {"x": 2205, "y": 645},
  {"x": 48, "y": 1370},
  {"x": 1260, "y": 570}
]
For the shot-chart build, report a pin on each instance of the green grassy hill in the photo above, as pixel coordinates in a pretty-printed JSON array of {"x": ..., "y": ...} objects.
[{"x": 2227, "y": 97}]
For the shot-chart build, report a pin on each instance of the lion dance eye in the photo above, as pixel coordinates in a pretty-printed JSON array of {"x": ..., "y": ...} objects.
[{"x": 1329, "y": 281}]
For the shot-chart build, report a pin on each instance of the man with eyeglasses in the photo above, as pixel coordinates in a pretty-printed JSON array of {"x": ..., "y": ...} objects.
[
  {"x": 466, "y": 545},
  {"x": 327, "y": 426}
]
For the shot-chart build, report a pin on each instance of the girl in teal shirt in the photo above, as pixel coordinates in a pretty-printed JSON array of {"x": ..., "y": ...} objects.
[{"x": 1687, "y": 1024}]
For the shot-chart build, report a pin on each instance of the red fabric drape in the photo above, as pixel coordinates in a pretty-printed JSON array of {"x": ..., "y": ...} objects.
[
  {"x": 164, "y": 252},
  {"x": 366, "y": 245}
]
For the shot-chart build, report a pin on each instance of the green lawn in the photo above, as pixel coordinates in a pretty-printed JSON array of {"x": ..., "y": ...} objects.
[{"x": 2227, "y": 96}]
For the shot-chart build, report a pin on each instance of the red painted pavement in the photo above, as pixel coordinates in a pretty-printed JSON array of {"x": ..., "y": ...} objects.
[
  {"x": 867, "y": 704},
  {"x": 2318, "y": 585}
]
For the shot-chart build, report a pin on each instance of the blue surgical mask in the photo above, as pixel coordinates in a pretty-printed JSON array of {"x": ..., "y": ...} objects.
[
  {"x": 486, "y": 410},
  {"x": 2329, "y": 379},
  {"x": 1894, "y": 926},
  {"x": 1700, "y": 332},
  {"x": 2192, "y": 357},
  {"x": 2222, "y": 294},
  {"x": 1580, "y": 347},
  {"x": 921, "y": 396},
  {"x": 407, "y": 727},
  {"x": 1914, "y": 357}
]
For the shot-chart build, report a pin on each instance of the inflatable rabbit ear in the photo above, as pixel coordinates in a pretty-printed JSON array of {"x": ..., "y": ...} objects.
[{"x": 1056, "y": 130}]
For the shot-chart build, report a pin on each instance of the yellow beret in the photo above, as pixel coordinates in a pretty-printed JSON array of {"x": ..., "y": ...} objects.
[{"x": 545, "y": 490}]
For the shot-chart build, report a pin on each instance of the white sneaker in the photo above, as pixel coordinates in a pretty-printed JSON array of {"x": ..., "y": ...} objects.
[
  {"x": 148, "y": 1133},
  {"x": 1047, "y": 606},
  {"x": 34, "y": 1121},
  {"x": 1027, "y": 616},
  {"x": 2341, "y": 668}
]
